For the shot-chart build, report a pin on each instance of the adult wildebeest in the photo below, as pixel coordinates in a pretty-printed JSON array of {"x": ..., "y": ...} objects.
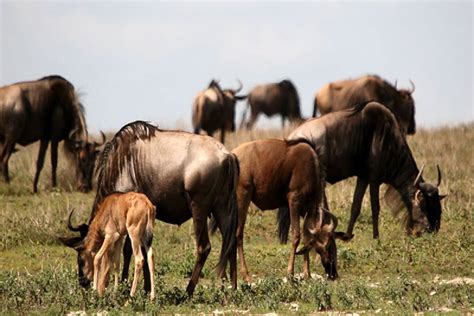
[
  {"x": 344, "y": 94},
  {"x": 367, "y": 142},
  {"x": 276, "y": 173},
  {"x": 273, "y": 98},
  {"x": 184, "y": 175},
  {"x": 214, "y": 109},
  {"x": 47, "y": 110},
  {"x": 118, "y": 215}
]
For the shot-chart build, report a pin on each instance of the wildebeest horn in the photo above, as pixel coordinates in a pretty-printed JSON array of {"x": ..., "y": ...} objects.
[
  {"x": 412, "y": 87},
  {"x": 417, "y": 194},
  {"x": 82, "y": 229},
  {"x": 439, "y": 175},
  {"x": 72, "y": 133},
  {"x": 239, "y": 88},
  {"x": 96, "y": 144},
  {"x": 69, "y": 225},
  {"x": 418, "y": 177}
]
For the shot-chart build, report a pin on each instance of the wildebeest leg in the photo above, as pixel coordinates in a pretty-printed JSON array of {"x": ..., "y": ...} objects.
[
  {"x": 375, "y": 203},
  {"x": 99, "y": 260},
  {"x": 116, "y": 261},
  {"x": 40, "y": 162},
  {"x": 306, "y": 272},
  {"x": 252, "y": 120},
  {"x": 127, "y": 256},
  {"x": 282, "y": 122},
  {"x": 243, "y": 202},
  {"x": 54, "y": 160},
  {"x": 202, "y": 242},
  {"x": 359, "y": 192},
  {"x": 139, "y": 262},
  {"x": 295, "y": 230},
  {"x": 5, "y": 154},
  {"x": 146, "y": 272},
  {"x": 325, "y": 201}
]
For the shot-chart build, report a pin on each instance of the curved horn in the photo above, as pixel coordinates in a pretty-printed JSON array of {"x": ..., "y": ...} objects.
[
  {"x": 417, "y": 194},
  {"x": 412, "y": 87},
  {"x": 69, "y": 225},
  {"x": 72, "y": 133},
  {"x": 439, "y": 175},
  {"x": 104, "y": 139},
  {"x": 418, "y": 177},
  {"x": 239, "y": 88}
]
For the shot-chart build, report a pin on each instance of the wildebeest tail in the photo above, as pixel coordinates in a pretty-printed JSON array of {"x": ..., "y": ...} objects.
[
  {"x": 197, "y": 113},
  {"x": 229, "y": 239},
  {"x": 149, "y": 226},
  {"x": 283, "y": 219},
  {"x": 315, "y": 107}
]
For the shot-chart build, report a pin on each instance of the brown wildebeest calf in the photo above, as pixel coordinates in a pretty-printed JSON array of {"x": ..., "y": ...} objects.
[
  {"x": 118, "y": 215},
  {"x": 276, "y": 173}
]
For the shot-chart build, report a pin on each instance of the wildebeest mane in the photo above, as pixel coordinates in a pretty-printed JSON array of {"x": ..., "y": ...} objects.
[{"x": 116, "y": 153}]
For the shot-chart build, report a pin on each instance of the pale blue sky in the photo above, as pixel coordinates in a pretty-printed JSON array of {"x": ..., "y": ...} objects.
[{"x": 147, "y": 60}]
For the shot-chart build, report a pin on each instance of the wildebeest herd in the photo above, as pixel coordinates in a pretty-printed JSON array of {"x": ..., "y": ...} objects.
[{"x": 145, "y": 172}]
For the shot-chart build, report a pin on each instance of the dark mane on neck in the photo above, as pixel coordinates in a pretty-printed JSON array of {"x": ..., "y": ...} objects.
[
  {"x": 117, "y": 151},
  {"x": 54, "y": 77}
]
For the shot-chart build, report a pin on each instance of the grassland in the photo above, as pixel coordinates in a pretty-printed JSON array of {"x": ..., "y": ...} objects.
[{"x": 395, "y": 274}]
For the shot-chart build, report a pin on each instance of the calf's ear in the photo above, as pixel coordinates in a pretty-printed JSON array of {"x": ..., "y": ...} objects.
[{"x": 73, "y": 242}]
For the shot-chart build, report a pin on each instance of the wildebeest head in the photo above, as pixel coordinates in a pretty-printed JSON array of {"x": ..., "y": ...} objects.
[
  {"x": 231, "y": 99},
  {"x": 406, "y": 109},
  {"x": 85, "y": 154},
  {"x": 427, "y": 203},
  {"x": 85, "y": 262},
  {"x": 293, "y": 110},
  {"x": 319, "y": 234}
]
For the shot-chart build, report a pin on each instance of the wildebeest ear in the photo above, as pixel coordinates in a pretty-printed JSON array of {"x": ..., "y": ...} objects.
[
  {"x": 442, "y": 196},
  {"x": 73, "y": 242}
]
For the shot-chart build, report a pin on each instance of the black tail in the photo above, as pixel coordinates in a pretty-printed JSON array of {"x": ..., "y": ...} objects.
[
  {"x": 283, "y": 219},
  {"x": 229, "y": 239},
  {"x": 315, "y": 107}
]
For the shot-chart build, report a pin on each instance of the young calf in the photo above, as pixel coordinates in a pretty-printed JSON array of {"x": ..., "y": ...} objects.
[
  {"x": 118, "y": 215},
  {"x": 276, "y": 173}
]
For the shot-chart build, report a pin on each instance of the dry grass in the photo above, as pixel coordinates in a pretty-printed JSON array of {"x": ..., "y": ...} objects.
[{"x": 393, "y": 274}]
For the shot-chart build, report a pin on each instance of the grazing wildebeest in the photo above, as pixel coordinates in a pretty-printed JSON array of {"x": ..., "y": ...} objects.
[
  {"x": 47, "y": 110},
  {"x": 119, "y": 214},
  {"x": 214, "y": 109},
  {"x": 275, "y": 173},
  {"x": 344, "y": 94},
  {"x": 273, "y": 98},
  {"x": 184, "y": 175},
  {"x": 367, "y": 142}
]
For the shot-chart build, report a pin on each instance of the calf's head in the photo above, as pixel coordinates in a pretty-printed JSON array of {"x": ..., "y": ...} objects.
[
  {"x": 319, "y": 234},
  {"x": 85, "y": 259}
]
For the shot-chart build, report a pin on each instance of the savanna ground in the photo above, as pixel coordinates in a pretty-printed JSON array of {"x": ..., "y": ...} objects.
[{"x": 394, "y": 274}]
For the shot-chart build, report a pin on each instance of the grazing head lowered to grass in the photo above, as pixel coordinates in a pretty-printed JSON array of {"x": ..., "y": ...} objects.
[
  {"x": 46, "y": 110},
  {"x": 276, "y": 173},
  {"x": 367, "y": 142},
  {"x": 118, "y": 215}
]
